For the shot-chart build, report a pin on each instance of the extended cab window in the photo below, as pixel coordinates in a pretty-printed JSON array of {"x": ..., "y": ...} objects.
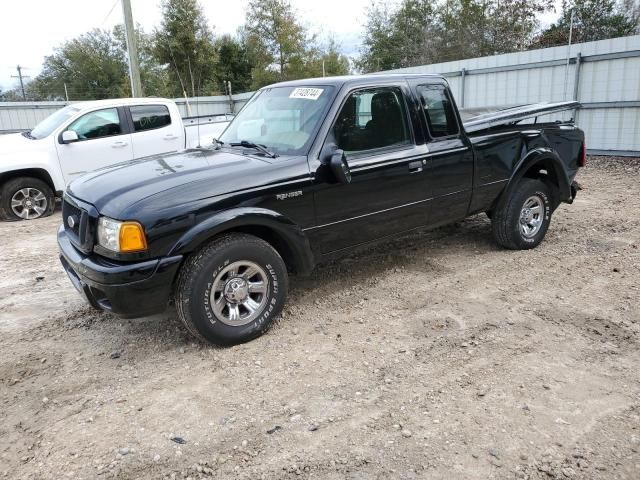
[
  {"x": 149, "y": 117},
  {"x": 98, "y": 124},
  {"x": 370, "y": 119},
  {"x": 438, "y": 110}
]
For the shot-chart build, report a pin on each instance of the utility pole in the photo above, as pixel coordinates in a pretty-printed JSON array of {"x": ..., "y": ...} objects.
[
  {"x": 231, "y": 103},
  {"x": 566, "y": 69},
  {"x": 134, "y": 68},
  {"x": 21, "y": 77}
]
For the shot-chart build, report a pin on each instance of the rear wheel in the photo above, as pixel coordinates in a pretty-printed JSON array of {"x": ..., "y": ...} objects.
[
  {"x": 231, "y": 291},
  {"x": 25, "y": 198},
  {"x": 523, "y": 219}
]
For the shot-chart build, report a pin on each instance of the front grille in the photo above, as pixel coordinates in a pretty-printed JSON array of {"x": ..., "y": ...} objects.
[
  {"x": 79, "y": 223},
  {"x": 70, "y": 211}
]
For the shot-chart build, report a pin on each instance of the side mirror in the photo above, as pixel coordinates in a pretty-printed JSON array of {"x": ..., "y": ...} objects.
[
  {"x": 69, "y": 136},
  {"x": 339, "y": 167}
]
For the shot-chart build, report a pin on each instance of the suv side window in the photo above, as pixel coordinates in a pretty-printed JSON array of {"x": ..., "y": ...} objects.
[
  {"x": 438, "y": 110},
  {"x": 372, "y": 118},
  {"x": 149, "y": 117},
  {"x": 98, "y": 124}
]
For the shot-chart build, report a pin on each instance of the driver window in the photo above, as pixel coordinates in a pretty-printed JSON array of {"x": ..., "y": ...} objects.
[
  {"x": 371, "y": 119},
  {"x": 98, "y": 124}
]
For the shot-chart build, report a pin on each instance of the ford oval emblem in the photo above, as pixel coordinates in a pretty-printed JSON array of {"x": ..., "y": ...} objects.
[{"x": 71, "y": 221}]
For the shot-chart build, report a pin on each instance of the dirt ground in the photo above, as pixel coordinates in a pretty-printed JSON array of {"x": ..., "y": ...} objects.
[{"x": 437, "y": 355}]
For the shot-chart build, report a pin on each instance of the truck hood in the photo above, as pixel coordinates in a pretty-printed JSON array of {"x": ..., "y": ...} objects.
[
  {"x": 16, "y": 143},
  {"x": 124, "y": 190}
]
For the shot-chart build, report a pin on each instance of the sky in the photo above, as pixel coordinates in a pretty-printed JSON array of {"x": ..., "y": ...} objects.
[{"x": 31, "y": 29}]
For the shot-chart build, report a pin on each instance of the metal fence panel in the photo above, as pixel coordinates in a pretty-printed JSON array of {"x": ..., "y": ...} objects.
[
  {"x": 19, "y": 116},
  {"x": 604, "y": 76}
]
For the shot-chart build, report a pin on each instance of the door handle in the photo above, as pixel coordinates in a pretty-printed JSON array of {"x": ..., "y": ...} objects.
[
  {"x": 119, "y": 144},
  {"x": 415, "y": 167},
  {"x": 170, "y": 137}
]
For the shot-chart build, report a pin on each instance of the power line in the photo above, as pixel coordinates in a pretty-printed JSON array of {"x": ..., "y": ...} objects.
[{"x": 110, "y": 12}]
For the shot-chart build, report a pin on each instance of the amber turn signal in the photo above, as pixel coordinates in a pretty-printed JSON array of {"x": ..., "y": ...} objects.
[{"x": 132, "y": 238}]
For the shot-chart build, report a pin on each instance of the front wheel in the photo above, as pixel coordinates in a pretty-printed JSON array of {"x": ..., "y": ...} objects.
[
  {"x": 231, "y": 291},
  {"x": 25, "y": 198},
  {"x": 523, "y": 219}
]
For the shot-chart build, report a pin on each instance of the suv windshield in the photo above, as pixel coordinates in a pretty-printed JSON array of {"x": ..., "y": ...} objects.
[
  {"x": 53, "y": 121},
  {"x": 283, "y": 119}
]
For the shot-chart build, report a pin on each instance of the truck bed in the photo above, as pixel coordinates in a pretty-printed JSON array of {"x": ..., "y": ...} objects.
[{"x": 475, "y": 120}]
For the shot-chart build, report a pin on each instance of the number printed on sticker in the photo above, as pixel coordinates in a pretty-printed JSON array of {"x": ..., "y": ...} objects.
[{"x": 306, "y": 93}]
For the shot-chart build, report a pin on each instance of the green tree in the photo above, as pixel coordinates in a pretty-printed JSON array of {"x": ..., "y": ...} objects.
[
  {"x": 92, "y": 66},
  {"x": 510, "y": 25},
  {"x": 416, "y": 20},
  {"x": 378, "y": 45},
  {"x": 592, "y": 20},
  {"x": 184, "y": 45},
  {"x": 329, "y": 56},
  {"x": 419, "y": 32},
  {"x": 233, "y": 64},
  {"x": 279, "y": 44},
  {"x": 335, "y": 63},
  {"x": 154, "y": 78},
  {"x": 13, "y": 95}
]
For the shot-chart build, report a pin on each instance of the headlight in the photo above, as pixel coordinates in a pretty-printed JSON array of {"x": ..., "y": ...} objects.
[{"x": 121, "y": 237}]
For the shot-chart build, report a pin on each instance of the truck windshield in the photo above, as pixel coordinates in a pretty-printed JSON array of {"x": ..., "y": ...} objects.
[
  {"x": 283, "y": 119},
  {"x": 53, "y": 121}
]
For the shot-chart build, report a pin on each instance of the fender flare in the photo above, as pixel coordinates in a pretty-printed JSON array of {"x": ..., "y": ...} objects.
[
  {"x": 549, "y": 161},
  {"x": 41, "y": 171},
  {"x": 287, "y": 235}
]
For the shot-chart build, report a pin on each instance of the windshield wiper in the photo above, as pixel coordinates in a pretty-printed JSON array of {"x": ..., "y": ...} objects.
[
  {"x": 217, "y": 143},
  {"x": 257, "y": 146}
]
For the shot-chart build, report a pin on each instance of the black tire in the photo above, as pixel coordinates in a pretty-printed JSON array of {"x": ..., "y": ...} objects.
[
  {"x": 193, "y": 291},
  {"x": 13, "y": 186},
  {"x": 508, "y": 230}
]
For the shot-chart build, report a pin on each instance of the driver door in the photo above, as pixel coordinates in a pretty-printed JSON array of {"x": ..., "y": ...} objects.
[
  {"x": 103, "y": 140},
  {"x": 388, "y": 192}
]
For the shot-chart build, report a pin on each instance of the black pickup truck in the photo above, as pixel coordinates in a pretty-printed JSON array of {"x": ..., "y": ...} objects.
[{"x": 306, "y": 171}]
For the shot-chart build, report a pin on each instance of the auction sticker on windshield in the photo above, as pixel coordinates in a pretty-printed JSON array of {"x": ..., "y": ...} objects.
[{"x": 308, "y": 93}]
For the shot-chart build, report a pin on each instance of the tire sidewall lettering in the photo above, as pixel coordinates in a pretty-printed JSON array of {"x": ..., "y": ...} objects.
[
  {"x": 547, "y": 204},
  {"x": 272, "y": 292},
  {"x": 207, "y": 293}
]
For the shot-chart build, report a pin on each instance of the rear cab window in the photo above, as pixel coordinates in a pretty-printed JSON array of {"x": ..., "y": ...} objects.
[
  {"x": 438, "y": 110},
  {"x": 149, "y": 117}
]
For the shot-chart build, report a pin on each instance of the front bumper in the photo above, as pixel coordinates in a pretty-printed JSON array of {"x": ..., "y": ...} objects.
[{"x": 126, "y": 289}]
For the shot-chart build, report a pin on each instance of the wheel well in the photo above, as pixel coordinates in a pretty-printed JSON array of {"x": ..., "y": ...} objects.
[
  {"x": 268, "y": 235},
  {"x": 274, "y": 239},
  {"x": 545, "y": 171},
  {"x": 38, "y": 173}
]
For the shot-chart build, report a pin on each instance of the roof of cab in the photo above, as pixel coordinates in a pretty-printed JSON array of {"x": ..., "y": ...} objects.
[
  {"x": 117, "y": 102},
  {"x": 349, "y": 79}
]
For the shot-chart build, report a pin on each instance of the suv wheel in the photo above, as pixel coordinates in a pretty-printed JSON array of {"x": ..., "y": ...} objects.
[
  {"x": 522, "y": 221},
  {"x": 231, "y": 291},
  {"x": 25, "y": 198}
]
